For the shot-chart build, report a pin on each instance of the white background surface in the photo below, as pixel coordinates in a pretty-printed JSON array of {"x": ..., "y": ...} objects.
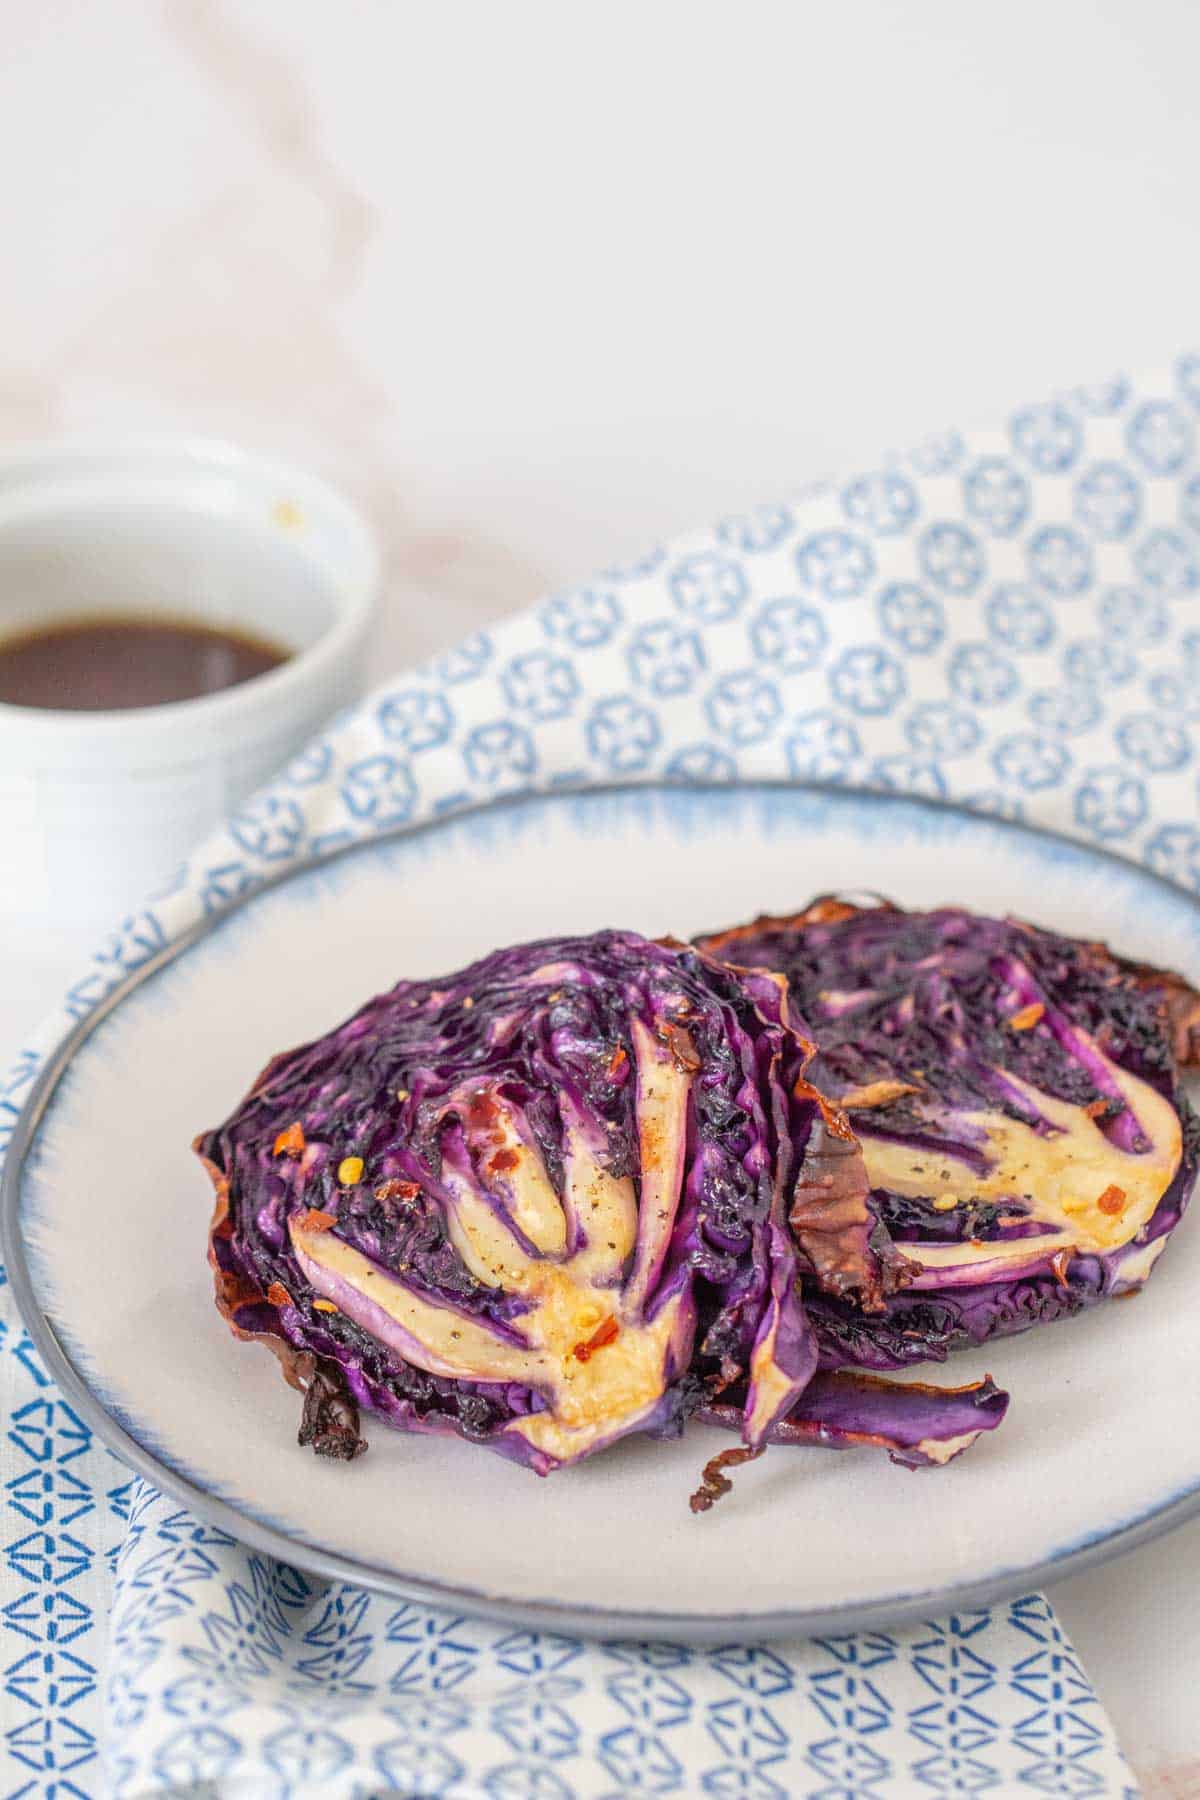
[{"x": 542, "y": 283}]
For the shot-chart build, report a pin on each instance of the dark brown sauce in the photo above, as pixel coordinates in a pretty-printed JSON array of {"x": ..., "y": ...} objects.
[{"x": 113, "y": 663}]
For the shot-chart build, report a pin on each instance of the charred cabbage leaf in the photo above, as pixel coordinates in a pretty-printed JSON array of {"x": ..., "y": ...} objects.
[{"x": 1027, "y": 1143}]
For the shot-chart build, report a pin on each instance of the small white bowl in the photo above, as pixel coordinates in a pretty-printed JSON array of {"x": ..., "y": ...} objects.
[{"x": 97, "y": 808}]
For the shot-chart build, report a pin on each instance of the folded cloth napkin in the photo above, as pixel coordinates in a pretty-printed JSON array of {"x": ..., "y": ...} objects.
[{"x": 1009, "y": 620}]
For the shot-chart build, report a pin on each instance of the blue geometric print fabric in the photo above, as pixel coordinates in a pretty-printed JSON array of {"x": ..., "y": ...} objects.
[
  {"x": 1010, "y": 619},
  {"x": 231, "y": 1669}
]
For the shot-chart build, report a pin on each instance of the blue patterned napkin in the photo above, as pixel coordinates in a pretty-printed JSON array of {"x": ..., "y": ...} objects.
[
  {"x": 1011, "y": 620},
  {"x": 228, "y": 1668}
]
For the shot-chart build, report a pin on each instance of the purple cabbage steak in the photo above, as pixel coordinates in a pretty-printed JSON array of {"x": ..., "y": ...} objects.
[{"x": 1027, "y": 1147}]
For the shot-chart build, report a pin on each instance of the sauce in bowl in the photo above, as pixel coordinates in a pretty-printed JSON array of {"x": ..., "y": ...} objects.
[{"x": 112, "y": 663}]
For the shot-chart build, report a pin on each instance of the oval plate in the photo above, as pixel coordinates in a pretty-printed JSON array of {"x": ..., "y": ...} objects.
[{"x": 105, "y": 1209}]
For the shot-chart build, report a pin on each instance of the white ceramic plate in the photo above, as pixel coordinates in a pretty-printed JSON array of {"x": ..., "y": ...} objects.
[{"x": 105, "y": 1214}]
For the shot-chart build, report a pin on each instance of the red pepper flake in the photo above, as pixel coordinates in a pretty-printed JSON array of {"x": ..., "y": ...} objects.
[
  {"x": 482, "y": 1110},
  {"x": 1096, "y": 1109},
  {"x": 618, "y": 1062},
  {"x": 1060, "y": 1264},
  {"x": 290, "y": 1142},
  {"x": 503, "y": 1161},
  {"x": 313, "y": 1219},
  {"x": 278, "y": 1295},
  {"x": 395, "y": 1189},
  {"x": 1112, "y": 1200},
  {"x": 1028, "y": 1017},
  {"x": 603, "y": 1334}
]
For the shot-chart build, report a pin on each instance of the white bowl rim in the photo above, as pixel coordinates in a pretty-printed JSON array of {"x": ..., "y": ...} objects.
[{"x": 43, "y": 463}]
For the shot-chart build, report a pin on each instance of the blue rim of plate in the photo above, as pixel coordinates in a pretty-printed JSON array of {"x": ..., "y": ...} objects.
[{"x": 542, "y": 1613}]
